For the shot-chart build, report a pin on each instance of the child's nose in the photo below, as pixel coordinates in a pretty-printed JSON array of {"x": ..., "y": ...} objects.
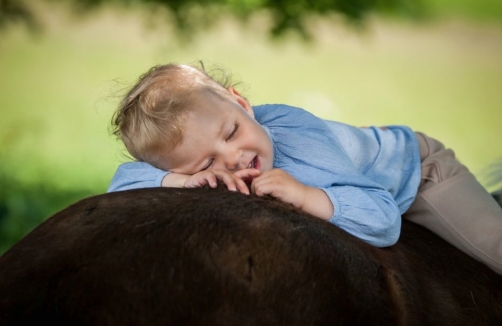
[{"x": 232, "y": 160}]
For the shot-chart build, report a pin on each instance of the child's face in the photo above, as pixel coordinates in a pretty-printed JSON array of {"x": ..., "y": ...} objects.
[{"x": 221, "y": 134}]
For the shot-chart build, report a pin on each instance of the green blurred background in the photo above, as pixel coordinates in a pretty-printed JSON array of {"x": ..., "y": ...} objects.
[{"x": 439, "y": 72}]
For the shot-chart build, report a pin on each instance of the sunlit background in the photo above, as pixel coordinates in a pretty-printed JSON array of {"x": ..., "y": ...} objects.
[{"x": 439, "y": 72}]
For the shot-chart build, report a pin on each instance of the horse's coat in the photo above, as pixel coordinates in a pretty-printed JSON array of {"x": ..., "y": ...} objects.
[{"x": 212, "y": 257}]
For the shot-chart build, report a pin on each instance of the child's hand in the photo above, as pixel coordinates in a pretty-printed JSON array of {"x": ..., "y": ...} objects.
[
  {"x": 233, "y": 181},
  {"x": 279, "y": 184}
]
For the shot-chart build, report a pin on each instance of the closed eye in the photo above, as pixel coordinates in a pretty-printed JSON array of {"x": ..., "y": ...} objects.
[
  {"x": 234, "y": 131},
  {"x": 208, "y": 165}
]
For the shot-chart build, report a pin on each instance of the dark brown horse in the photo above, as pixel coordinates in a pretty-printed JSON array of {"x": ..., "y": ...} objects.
[{"x": 212, "y": 257}]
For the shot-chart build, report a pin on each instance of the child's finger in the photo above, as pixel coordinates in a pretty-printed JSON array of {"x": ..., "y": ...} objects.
[
  {"x": 247, "y": 175},
  {"x": 262, "y": 186},
  {"x": 228, "y": 180},
  {"x": 211, "y": 179},
  {"x": 242, "y": 186},
  {"x": 234, "y": 183}
]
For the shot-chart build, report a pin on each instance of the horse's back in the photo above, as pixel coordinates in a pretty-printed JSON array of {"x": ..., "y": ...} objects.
[{"x": 201, "y": 257}]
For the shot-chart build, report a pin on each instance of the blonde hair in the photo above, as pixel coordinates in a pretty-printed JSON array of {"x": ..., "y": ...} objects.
[{"x": 150, "y": 118}]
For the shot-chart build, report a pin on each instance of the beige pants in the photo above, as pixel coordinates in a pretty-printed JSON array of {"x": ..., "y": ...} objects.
[{"x": 454, "y": 205}]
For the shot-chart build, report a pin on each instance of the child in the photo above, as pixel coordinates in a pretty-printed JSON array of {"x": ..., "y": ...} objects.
[{"x": 185, "y": 129}]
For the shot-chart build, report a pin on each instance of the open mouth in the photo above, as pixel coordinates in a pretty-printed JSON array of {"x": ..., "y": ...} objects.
[{"x": 253, "y": 164}]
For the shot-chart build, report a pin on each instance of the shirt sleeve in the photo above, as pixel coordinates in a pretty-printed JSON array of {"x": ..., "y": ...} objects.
[
  {"x": 133, "y": 175},
  {"x": 370, "y": 214},
  {"x": 305, "y": 148},
  {"x": 362, "y": 207}
]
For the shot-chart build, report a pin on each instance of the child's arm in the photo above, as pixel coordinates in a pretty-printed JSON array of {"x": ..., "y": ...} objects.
[
  {"x": 135, "y": 175},
  {"x": 369, "y": 214},
  {"x": 279, "y": 184}
]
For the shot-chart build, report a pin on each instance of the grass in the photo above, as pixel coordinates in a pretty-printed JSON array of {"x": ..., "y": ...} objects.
[
  {"x": 58, "y": 91},
  {"x": 480, "y": 11}
]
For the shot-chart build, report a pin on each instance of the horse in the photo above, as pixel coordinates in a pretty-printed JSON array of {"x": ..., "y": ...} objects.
[{"x": 171, "y": 256}]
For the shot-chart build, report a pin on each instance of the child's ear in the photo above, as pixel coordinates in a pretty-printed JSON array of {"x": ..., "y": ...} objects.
[{"x": 241, "y": 100}]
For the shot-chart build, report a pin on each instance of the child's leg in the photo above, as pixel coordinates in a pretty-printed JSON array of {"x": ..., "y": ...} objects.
[{"x": 454, "y": 205}]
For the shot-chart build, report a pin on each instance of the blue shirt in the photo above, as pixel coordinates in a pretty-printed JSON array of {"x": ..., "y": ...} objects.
[{"x": 370, "y": 175}]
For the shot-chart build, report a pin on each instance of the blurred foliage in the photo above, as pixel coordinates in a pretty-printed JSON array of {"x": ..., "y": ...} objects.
[
  {"x": 24, "y": 206},
  {"x": 53, "y": 140},
  {"x": 190, "y": 15},
  {"x": 12, "y": 11},
  {"x": 474, "y": 10}
]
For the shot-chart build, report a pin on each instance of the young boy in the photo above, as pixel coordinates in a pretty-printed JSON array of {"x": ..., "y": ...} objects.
[{"x": 187, "y": 130}]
